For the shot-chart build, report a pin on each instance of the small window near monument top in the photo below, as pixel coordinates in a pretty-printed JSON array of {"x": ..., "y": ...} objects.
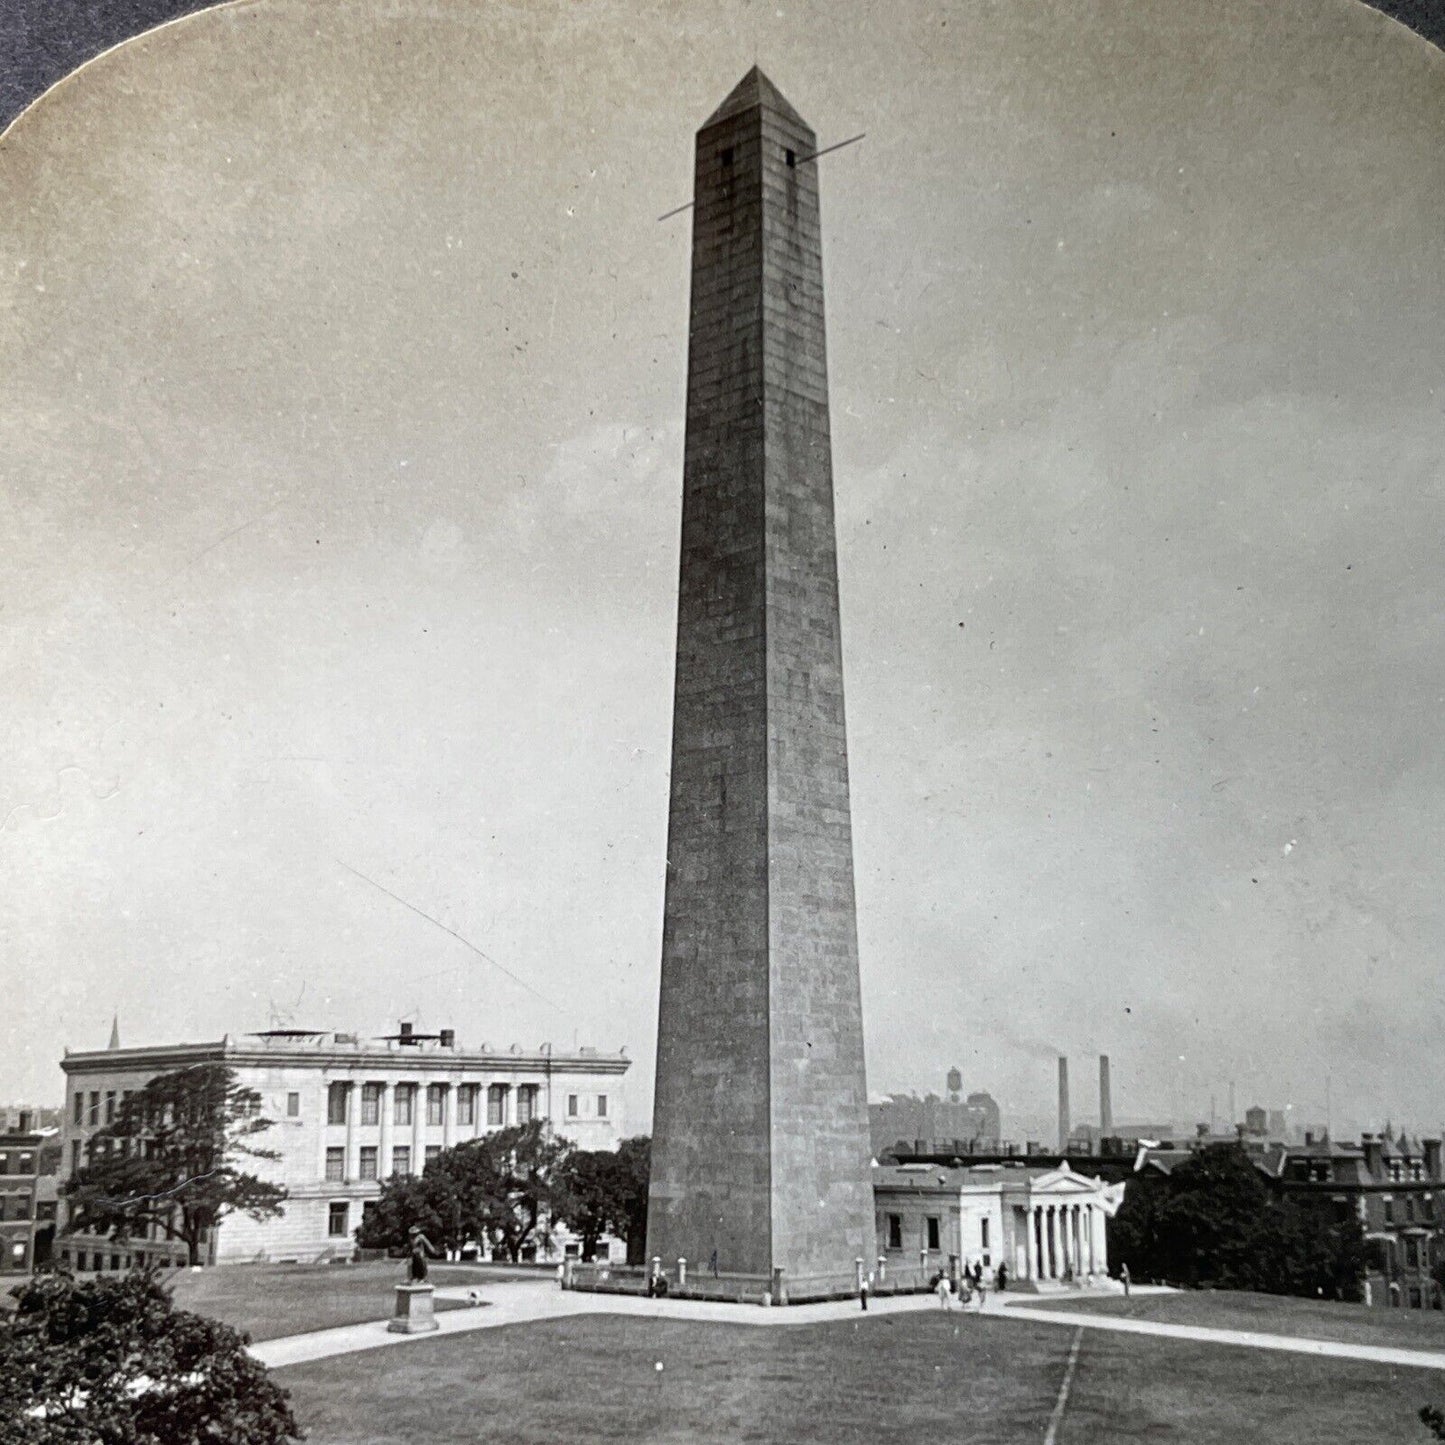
[
  {"x": 571, "y": 1106},
  {"x": 792, "y": 160},
  {"x": 293, "y": 1106},
  {"x": 602, "y": 1106},
  {"x": 727, "y": 155}
]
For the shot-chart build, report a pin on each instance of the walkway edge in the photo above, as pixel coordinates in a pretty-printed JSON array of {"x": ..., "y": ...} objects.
[{"x": 1249, "y": 1339}]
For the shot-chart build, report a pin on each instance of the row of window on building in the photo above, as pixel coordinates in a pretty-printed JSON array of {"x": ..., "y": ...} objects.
[
  {"x": 98, "y": 1260},
  {"x": 1421, "y": 1210},
  {"x": 18, "y": 1206},
  {"x": 17, "y": 1161},
  {"x": 931, "y": 1233},
  {"x": 369, "y": 1161},
  {"x": 404, "y": 1103},
  {"x": 101, "y": 1105}
]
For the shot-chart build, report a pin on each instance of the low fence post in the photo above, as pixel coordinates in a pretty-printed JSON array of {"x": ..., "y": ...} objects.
[
  {"x": 681, "y": 1272},
  {"x": 882, "y": 1268},
  {"x": 780, "y": 1296}
]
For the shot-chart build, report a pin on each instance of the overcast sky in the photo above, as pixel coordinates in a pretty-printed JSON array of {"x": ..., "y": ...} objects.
[{"x": 342, "y": 365}]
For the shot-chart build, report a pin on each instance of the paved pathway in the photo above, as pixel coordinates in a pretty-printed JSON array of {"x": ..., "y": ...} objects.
[
  {"x": 1019, "y": 1308},
  {"x": 523, "y": 1302}
]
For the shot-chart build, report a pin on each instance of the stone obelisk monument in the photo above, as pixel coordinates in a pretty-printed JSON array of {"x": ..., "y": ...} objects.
[{"x": 760, "y": 1154}]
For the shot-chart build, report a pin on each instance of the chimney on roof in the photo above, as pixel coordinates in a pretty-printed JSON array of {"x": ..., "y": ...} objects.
[
  {"x": 1310, "y": 1138},
  {"x": 404, "y": 1030},
  {"x": 1063, "y": 1104},
  {"x": 1106, "y": 1098},
  {"x": 1374, "y": 1149},
  {"x": 23, "y": 1122},
  {"x": 448, "y": 1038},
  {"x": 1432, "y": 1158}
]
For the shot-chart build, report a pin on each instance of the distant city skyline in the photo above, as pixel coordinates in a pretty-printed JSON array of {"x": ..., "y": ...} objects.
[{"x": 342, "y": 412}]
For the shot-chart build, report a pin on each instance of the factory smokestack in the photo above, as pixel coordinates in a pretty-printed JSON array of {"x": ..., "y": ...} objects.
[
  {"x": 1106, "y": 1099},
  {"x": 1063, "y": 1104}
]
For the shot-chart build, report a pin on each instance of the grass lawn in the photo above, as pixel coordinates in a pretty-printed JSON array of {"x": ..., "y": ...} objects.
[
  {"x": 921, "y": 1377},
  {"x": 269, "y": 1300},
  {"x": 1273, "y": 1314}
]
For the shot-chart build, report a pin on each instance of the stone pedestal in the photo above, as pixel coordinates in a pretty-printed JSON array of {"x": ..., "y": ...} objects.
[{"x": 414, "y": 1314}]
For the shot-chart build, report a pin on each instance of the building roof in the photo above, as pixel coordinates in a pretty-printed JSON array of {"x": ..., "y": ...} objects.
[
  {"x": 954, "y": 1177},
  {"x": 341, "y": 1050}
]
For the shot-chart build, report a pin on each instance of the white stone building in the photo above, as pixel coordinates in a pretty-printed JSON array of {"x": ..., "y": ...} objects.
[
  {"x": 346, "y": 1113},
  {"x": 1046, "y": 1225}
]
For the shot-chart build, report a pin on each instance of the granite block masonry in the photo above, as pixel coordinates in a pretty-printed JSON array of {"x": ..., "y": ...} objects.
[{"x": 760, "y": 1140}]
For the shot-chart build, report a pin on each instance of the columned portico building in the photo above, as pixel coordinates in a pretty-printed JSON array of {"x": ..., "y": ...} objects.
[
  {"x": 1046, "y": 1225},
  {"x": 347, "y": 1113}
]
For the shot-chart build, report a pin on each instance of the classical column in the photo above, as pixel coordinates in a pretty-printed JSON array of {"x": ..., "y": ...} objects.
[
  {"x": 418, "y": 1126},
  {"x": 384, "y": 1115},
  {"x": 352, "y": 1168},
  {"x": 1031, "y": 1257},
  {"x": 323, "y": 1131},
  {"x": 449, "y": 1115},
  {"x": 1093, "y": 1251},
  {"x": 509, "y": 1104},
  {"x": 1103, "y": 1236},
  {"x": 1055, "y": 1244}
]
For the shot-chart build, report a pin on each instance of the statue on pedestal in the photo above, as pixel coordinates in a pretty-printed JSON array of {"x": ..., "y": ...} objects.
[{"x": 420, "y": 1246}]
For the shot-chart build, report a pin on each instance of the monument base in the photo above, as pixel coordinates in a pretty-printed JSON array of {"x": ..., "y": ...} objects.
[{"x": 414, "y": 1313}]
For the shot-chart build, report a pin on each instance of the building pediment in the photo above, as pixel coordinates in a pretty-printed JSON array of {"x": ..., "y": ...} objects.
[{"x": 1063, "y": 1184}]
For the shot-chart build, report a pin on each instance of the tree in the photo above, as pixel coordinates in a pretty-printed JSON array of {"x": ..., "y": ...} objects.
[
  {"x": 595, "y": 1197},
  {"x": 171, "y": 1160},
  {"x": 635, "y": 1158},
  {"x": 112, "y": 1362},
  {"x": 506, "y": 1188},
  {"x": 607, "y": 1194},
  {"x": 1214, "y": 1220}
]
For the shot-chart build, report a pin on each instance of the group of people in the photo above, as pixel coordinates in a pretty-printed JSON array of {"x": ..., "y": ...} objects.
[{"x": 972, "y": 1285}]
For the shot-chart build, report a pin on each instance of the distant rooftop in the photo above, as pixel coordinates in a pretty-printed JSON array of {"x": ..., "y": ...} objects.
[{"x": 405, "y": 1042}]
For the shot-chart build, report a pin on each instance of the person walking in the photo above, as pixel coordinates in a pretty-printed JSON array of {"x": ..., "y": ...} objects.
[
  {"x": 1002, "y": 1278},
  {"x": 863, "y": 1291},
  {"x": 943, "y": 1288}
]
